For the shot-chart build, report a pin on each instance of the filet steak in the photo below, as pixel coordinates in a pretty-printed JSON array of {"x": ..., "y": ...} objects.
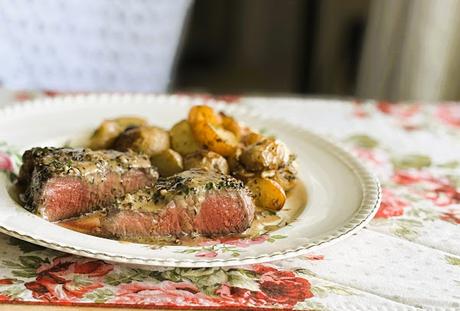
[
  {"x": 192, "y": 203},
  {"x": 59, "y": 183}
]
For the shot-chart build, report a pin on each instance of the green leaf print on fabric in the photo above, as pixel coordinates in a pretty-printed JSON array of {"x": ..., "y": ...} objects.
[
  {"x": 324, "y": 290},
  {"x": 24, "y": 246},
  {"x": 363, "y": 141},
  {"x": 310, "y": 305},
  {"x": 451, "y": 260},
  {"x": 243, "y": 279},
  {"x": 305, "y": 272},
  {"x": 208, "y": 280},
  {"x": 273, "y": 238},
  {"x": 79, "y": 281},
  {"x": 412, "y": 161},
  {"x": 129, "y": 276},
  {"x": 26, "y": 267},
  {"x": 407, "y": 228},
  {"x": 450, "y": 164},
  {"x": 100, "y": 295}
]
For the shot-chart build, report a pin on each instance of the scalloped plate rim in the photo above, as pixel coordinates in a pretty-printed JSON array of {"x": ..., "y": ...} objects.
[{"x": 371, "y": 190}]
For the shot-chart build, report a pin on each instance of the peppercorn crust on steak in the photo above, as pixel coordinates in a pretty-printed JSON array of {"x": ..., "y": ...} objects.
[
  {"x": 193, "y": 203},
  {"x": 60, "y": 183}
]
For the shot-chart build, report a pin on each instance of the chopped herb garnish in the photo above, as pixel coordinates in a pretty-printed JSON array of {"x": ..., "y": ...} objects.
[{"x": 209, "y": 186}]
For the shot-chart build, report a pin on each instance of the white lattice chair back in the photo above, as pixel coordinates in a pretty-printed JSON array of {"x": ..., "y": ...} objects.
[{"x": 90, "y": 45}]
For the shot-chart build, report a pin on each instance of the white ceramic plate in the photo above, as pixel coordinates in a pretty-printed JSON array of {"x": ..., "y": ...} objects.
[{"x": 342, "y": 195}]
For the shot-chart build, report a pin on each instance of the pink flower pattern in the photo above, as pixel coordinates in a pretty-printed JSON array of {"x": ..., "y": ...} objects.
[
  {"x": 449, "y": 114},
  {"x": 166, "y": 293},
  {"x": 56, "y": 281},
  {"x": 391, "y": 205},
  {"x": 436, "y": 189},
  {"x": 5, "y": 162}
]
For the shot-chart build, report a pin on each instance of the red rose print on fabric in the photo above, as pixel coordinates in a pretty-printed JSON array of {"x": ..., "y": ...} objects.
[
  {"x": 398, "y": 110},
  {"x": 59, "y": 281},
  {"x": 23, "y": 96},
  {"x": 5, "y": 297},
  {"x": 358, "y": 110},
  {"x": 277, "y": 287},
  {"x": 391, "y": 205},
  {"x": 405, "y": 114},
  {"x": 449, "y": 114},
  {"x": 5, "y": 162},
  {"x": 6, "y": 282},
  {"x": 451, "y": 216},
  {"x": 166, "y": 293},
  {"x": 437, "y": 189}
]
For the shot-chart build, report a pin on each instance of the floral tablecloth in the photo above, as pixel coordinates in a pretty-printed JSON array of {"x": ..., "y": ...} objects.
[{"x": 407, "y": 258}]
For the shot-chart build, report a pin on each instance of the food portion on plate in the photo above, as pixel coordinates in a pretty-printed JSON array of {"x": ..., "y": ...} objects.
[
  {"x": 60, "y": 183},
  {"x": 195, "y": 202},
  {"x": 208, "y": 176}
]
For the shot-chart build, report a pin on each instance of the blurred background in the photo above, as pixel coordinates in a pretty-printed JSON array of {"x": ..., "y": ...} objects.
[{"x": 383, "y": 49}]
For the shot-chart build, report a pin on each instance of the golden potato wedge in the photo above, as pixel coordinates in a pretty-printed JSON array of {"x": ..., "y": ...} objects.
[
  {"x": 206, "y": 159},
  {"x": 230, "y": 124},
  {"x": 215, "y": 138},
  {"x": 267, "y": 193},
  {"x": 267, "y": 154},
  {"x": 202, "y": 113},
  {"x": 149, "y": 140},
  {"x": 182, "y": 139},
  {"x": 104, "y": 136},
  {"x": 168, "y": 163}
]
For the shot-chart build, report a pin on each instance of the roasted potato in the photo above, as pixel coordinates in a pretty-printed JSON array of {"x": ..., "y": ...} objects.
[
  {"x": 267, "y": 154},
  {"x": 182, "y": 139},
  {"x": 236, "y": 168},
  {"x": 149, "y": 140},
  {"x": 267, "y": 193},
  {"x": 206, "y": 159},
  {"x": 202, "y": 113},
  {"x": 251, "y": 137},
  {"x": 215, "y": 138},
  {"x": 168, "y": 162},
  {"x": 286, "y": 176},
  {"x": 230, "y": 124},
  {"x": 126, "y": 122},
  {"x": 243, "y": 174},
  {"x": 104, "y": 136}
]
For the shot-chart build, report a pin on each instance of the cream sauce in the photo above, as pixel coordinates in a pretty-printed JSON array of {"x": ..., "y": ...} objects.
[{"x": 264, "y": 222}]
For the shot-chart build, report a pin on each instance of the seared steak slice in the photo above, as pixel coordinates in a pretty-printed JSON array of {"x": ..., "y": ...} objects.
[
  {"x": 192, "y": 203},
  {"x": 60, "y": 183}
]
